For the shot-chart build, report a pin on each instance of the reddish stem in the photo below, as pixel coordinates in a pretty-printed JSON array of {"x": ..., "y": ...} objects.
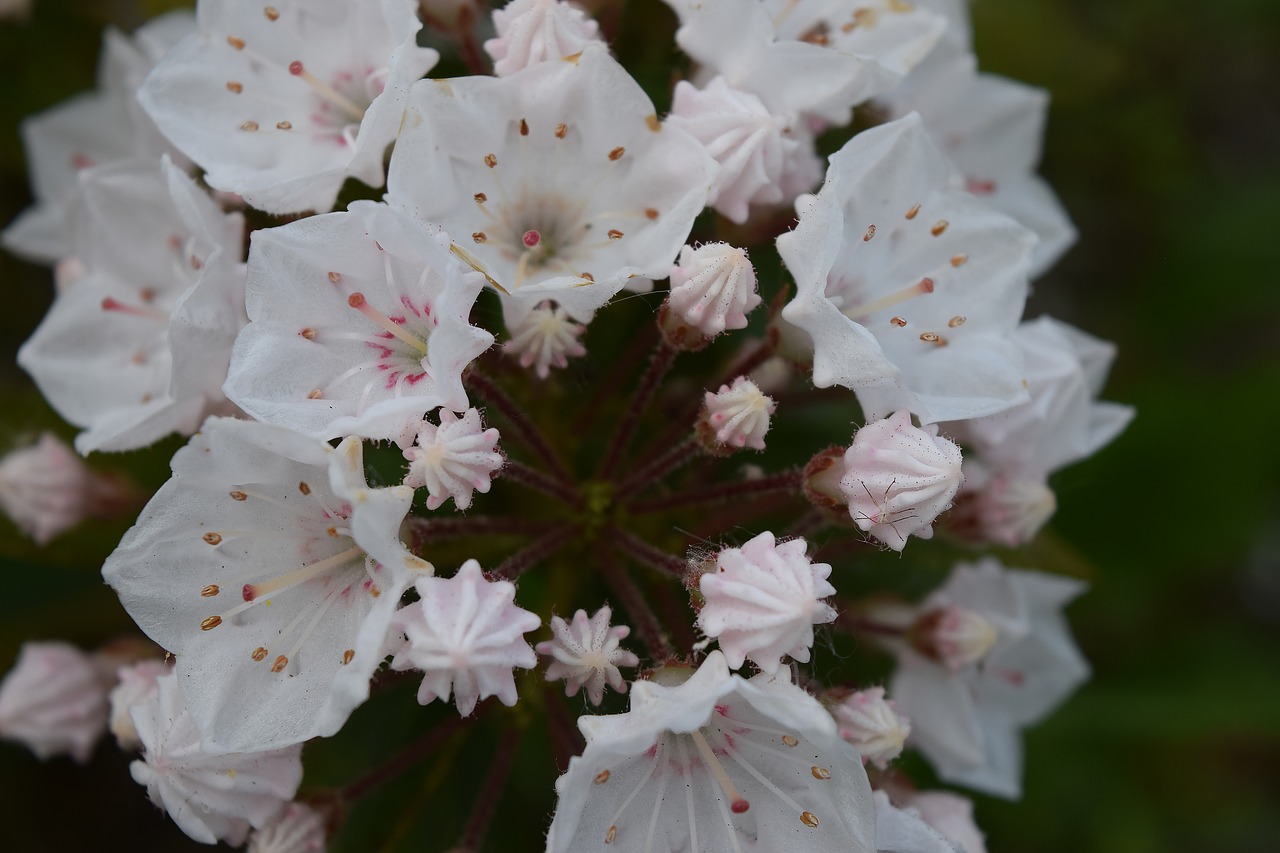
[
  {"x": 641, "y": 615},
  {"x": 435, "y": 529},
  {"x": 523, "y": 427},
  {"x": 486, "y": 801},
  {"x": 659, "y": 364},
  {"x": 647, "y": 555},
  {"x": 520, "y": 473},
  {"x": 658, "y": 468},
  {"x": 722, "y": 492},
  {"x": 536, "y": 551},
  {"x": 410, "y": 755}
]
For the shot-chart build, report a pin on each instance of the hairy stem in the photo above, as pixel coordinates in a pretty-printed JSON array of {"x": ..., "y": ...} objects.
[
  {"x": 539, "y": 549},
  {"x": 647, "y": 555},
  {"x": 524, "y": 428},
  {"x": 722, "y": 492},
  {"x": 410, "y": 755},
  {"x": 659, "y": 364},
  {"x": 486, "y": 801},
  {"x": 520, "y": 473},
  {"x": 657, "y": 468},
  {"x": 641, "y": 615}
]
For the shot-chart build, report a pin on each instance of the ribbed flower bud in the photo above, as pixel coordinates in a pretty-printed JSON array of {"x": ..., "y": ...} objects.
[
  {"x": 734, "y": 417},
  {"x": 712, "y": 289},
  {"x": 870, "y": 723}
]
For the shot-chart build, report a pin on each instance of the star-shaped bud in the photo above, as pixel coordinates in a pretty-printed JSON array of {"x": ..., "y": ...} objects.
[
  {"x": 466, "y": 635},
  {"x": 453, "y": 460},
  {"x": 763, "y": 600},
  {"x": 898, "y": 478},
  {"x": 533, "y": 31},
  {"x": 586, "y": 653},
  {"x": 872, "y": 725},
  {"x": 712, "y": 288},
  {"x": 545, "y": 337},
  {"x": 734, "y": 417},
  {"x": 54, "y": 701},
  {"x": 282, "y": 103},
  {"x": 211, "y": 797},
  {"x": 297, "y": 828}
]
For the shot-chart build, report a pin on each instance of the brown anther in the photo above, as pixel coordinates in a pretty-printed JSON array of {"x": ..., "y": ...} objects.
[
  {"x": 335, "y": 277},
  {"x": 871, "y": 232},
  {"x": 249, "y": 125},
  {"x": 196, "y": 263},
  {"x": 789, "y": 740},
  {"x": 315, "y": 394},
  {"x": 820, "y": 772},
  {"x": 374, "y": 591},
  {"x": 281, "y": 662},
  {"x": 210, "y": 590},
  {"x": 651, "y": 213},
  {"x": 898, "y": 321},
  {"x": 308, "y": 333},
  {"x": 588, "y": 276},
  {"x": 211, "y": 623},
  {"x": 491, "y": 160},
  {"x": 212, "y": 538},
  {"x": 561, "y": 130},
  {"x": 911, "y": 214},
  {"x": 849, "y": 27},
  {"x": 958, "y": 260},
  {"x": 933, "y": 338},
  {"x": 651, "y": 121},
  {"x": 259, "y": 654},
  {"x": 304, "y": 488},
  {"x": 237, "y": 43},
  {"x": 332, "y": 531},
  {"x": 616, "y": 154},
  {"x": 939, "y": 227},
  {"x": 238, "y": 496},
  {"x": 234, "y": 87},
  {"x": 284, "y": 125},
  {"x": 348, "y": 656},
  {"x": 146, "y": 398},
  {"x": 817, "y": 34},
  {"x": 524, "y": 127},
  {"x": 480, "y": 198},
  {"x": 602, "y": 777},
  {"x": 809, "y": 819},
  {"x": 479, "y": 236},
  {"x": 611, "y": 834},
  {"x": 615, "y": 234},
  {"x": 865, "y": 17},
  {"x": 272, "y": 13},
  {"x": 956, "y": 321},
  {"x": 139, "y": 358}
]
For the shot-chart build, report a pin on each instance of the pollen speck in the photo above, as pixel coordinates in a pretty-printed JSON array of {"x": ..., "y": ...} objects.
[
  {"x": 789, "y": 740},
  {"x": 479, "y": 236},
  {"x": 304, "y": 488},
  {"x": 315, "y": 394},
  {"x": 238, "y": 495},
  {"x": 234, "y": 87},
  {"x": 210, "y": 591},
  {"x": 212, "y": 538},
  {"x": 374, "y": 591},
  {"x": 939, "y": 227},
  {"x": 491, "y": 160},
  {"x": 211, "y": 623},
  {"x": 616, "y": 154},
  {"x": 820, "y": 772}
]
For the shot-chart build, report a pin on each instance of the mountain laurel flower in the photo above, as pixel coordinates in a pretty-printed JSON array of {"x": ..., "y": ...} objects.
[
  {"x": 713, "y": 762},
  {"x": 558, "y": 182},
  {"x": 533, "y": 31},
  {"x": 908, "y": 287},
  {"x": 904, "y": 831},
  {"x": 359, "y": 325},
  {"x": 586, "y": 652},
  {"x": 872, "y": 725},
  {"x": 713, "y": 287},
  {"x": 211, "y": 797},
  {"x": 999, "y": 508},
  {"x": 136, "y": 686},
  {"x": 735, "y": 417},
  {"x": 948, "y": 813},
  {"x": 762, "y": 601},
  {"x": 270, "y": 568},
  {"x": 753, "y": 146},
  {"x": 953, "y": 636},
  {"x": 544, "y": 337},
  {"x": 898, "y": 478},
  {"x": 297, "y": 828},
  {"x": 453, "y": 460},
  {"x": 466, "y": 635},
  {"x": 315, "y": 92},
  {"x": 54, "y": 701}
]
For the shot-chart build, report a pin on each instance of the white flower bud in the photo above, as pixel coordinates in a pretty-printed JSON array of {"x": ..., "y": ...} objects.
[
  {"x": 713, "y": 288},
  {"x": 736, "y": 416},
  {"x": 872, "y": 725},
  {"x": 453, "y": 460}
]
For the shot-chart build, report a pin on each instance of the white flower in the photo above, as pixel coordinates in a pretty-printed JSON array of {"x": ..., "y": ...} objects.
[
  {"x": 736, "y": 416},
  {"x": 872, "y": 725},
  {"x": 93, "y": 129},
  {"x": 820, "y": 58},
  {"x": 297, "y": 829},
  {"x": 533, "y": 31},
  {"x": 282, "y": 103},
  {"x": 359, "y": 326},
  {"x": 753, "y": 146},
  {"x": 902, "y": 831},
  {"x": 211, "y": 797},
  {"x": 713, "y": 287},
  {"x": 544, "y": 337},
  {"x": 466, "y": 635},
  {"x": 271, "y": 570},
  {"x": 453, "y": 460},
  {"x": 46, "y": 489},
  {"x": 137, "y": 685},
  {"x": 558, "y": 182},
  {"x": 763, "y": 600},
  {"x": 54, "y": 701},
  {"x": 587, "y": 653},
  {"x": 716, "y": 764},
  {"x": 907, "y": 287},
  {"x": 968, "y": 719},
  {"x": 898, "y": 478},
  {"x": 138, "y": 347},
  {"x": 948, "y": 813}
]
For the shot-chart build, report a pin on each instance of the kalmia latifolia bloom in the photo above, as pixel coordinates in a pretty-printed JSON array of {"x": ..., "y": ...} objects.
[{"x": 329, "y": 351}]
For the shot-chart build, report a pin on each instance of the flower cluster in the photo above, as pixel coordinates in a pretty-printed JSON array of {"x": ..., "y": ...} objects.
[{"x": 497, "y": 367}]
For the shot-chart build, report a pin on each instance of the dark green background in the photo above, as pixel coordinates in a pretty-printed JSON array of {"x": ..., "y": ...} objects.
[{"x": 1163, "y": 143}]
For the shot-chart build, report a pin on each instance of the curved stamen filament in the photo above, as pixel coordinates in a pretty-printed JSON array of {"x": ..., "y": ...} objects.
[
  {"x": 324, "y": 90},
  {"x": 358, "y": 302},
  {"x": 737, "y": 802},
  {"x": 924, "y": 285},
  {"x": 254, "y": 591}
]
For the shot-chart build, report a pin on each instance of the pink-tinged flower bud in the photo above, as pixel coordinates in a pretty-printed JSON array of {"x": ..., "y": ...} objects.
[
  {"x": 585, "y": 652},
  {"x": 453, "y": 460},
  {"x": 297, "y": 828},
  {"x": 899, "y": 478},
  {"x": 713, "y": 288},
  {"x": 822, "y": 475},
  {"x": 533, "y": 31},
  {"x": 953, "y": 636},
  {"x": 54, "y": 701},
  {"x": 546, "y": 337},
  {"x": 734, "y": 417},
  {"x": 763, "y": 600},
  {"x": 1006, "y": 511},
  {"x": 872, "y": 725}
]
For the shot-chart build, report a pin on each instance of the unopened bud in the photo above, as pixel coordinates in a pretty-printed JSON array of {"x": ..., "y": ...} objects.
[
  {"x": 953, "y": 636},
  {"x": 871, "y": 725},
  {"x": 734, "y": 417}
]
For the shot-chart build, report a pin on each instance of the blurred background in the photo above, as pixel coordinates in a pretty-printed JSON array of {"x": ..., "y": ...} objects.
[{"x": 1164, "y": 144}]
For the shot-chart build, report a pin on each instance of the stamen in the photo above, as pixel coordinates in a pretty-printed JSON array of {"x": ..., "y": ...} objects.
[
  {"x": 357, "y": 301},
  {"x": 143, "y": 311},
  {"x": 924, "y": 285},
  {"x": 254, "y": 591},
  {"x": 737, "y": 802},
  {"x": 531, "y": 238},
  {"x": 326, "y": 91}
]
